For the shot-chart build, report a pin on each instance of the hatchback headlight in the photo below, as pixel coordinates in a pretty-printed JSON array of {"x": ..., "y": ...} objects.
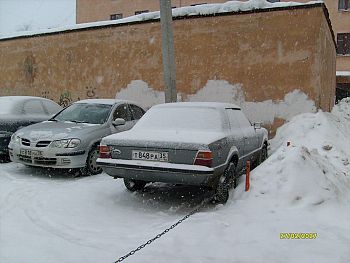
[
  {"x": 15, "y": 138},
  {"x": 67, "y": 143}
]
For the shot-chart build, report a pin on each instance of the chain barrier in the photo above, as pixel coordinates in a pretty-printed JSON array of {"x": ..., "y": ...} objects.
[{"x": 199, "y": 207}]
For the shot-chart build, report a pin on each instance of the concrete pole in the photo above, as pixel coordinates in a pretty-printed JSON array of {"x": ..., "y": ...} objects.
[{"x": 168, "y": 51}]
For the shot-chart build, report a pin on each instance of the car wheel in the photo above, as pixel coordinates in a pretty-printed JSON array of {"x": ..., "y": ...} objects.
[
  {"x": 91, "y": 167},
  {"x": 263, "y": 154},
  {"x": 222, "y": 191},
  {"x": 230, "y": 175},
  {"x": 134, "y": 185}
]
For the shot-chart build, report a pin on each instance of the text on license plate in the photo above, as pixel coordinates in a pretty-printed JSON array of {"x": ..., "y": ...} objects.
[
  {"x": 150, "y": 156},
  {"x": 31, "y": 153}
]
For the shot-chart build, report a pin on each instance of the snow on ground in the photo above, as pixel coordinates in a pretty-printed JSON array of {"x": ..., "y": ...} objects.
[{"x": 48, "y": 217}]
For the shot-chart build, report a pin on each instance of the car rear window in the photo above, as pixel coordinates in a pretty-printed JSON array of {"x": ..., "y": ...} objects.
[{"x": 182, "y": 118}]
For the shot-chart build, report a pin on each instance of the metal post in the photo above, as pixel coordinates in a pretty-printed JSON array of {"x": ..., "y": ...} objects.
[{"x": 168, "y": 51}]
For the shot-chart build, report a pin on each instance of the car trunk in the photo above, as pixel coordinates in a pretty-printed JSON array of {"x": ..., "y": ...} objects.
[
  {"x": 182, "y": 153},
  {"x": 181, "y": 146}
]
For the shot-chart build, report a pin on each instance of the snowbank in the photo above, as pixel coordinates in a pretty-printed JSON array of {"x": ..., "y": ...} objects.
[
  {"x": 206, "y": 9},
  {"x": 315, "y": 168}
]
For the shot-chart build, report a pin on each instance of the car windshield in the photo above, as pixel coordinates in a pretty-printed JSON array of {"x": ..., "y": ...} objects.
[
  {"x": 181, "y": 118},
  {"x": 85, "y": 113}
]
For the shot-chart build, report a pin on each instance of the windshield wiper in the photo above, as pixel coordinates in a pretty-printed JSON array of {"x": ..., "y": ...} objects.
[
  {"x": 53, "y": 120},
  {"x": 79, "y": 121}
]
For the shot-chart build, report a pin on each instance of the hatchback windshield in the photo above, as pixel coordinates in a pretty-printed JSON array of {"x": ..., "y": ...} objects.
[
  {"x": 181, "y": 118},
  {"x": 85, "y": 113}
]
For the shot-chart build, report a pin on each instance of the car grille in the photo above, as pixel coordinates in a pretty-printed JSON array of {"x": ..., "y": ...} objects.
[
  {"x": 38, "y": 160},
  {"x": 43, "y": 143},
  {"x": 25, "y": 142},
  {"x": 39, "y": 144},
  {"x": 45, "y": 161}
]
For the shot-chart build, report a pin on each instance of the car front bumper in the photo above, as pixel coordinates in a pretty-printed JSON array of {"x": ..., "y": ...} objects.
[
  {"x": 158, "y": 171},
  {"x": 48, "y": 157}
]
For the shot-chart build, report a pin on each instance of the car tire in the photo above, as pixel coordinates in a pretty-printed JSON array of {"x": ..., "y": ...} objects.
[
  {"x": 134, "y": 185},
  {"x": 231, "y": 175},
  {"x": 91, "y": 167},
  {"x": 263, "y": 154},
  {"x": 221, "y": 192}
]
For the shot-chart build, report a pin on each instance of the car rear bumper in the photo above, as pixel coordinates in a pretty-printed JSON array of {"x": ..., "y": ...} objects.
[{"x": 158, "y": 171}]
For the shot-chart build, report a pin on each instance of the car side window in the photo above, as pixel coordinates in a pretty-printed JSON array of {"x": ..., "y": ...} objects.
[
  {"x": 122, "y": 112},
  {"x": 234, "y": 124},
  {"x": 136, "y": 112},
  {"x": 33, "y": 107},
  {"x": 242, "y": 119}
]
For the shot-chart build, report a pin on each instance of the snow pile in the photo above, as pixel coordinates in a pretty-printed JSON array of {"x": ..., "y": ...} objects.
[
  {"x": 342, "y": 109},
  {"x": 314, "y": 169},
  {"x": 205, "y": 9}
]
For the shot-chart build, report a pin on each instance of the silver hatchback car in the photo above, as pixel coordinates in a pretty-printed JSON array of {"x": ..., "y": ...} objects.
[{"x": 70, "y": 139}]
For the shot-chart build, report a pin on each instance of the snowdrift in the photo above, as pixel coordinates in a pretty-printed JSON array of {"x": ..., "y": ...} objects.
[{"x": 314, "y": 169}]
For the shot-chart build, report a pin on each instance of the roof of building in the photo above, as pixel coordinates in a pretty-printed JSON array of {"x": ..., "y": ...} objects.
[
  {"x": 229, "y": 7},
  {"x": 219, "y": 105}
]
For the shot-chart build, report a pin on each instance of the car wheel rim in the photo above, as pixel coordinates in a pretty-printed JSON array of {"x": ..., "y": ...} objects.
[{"x": 92, "y": 161}]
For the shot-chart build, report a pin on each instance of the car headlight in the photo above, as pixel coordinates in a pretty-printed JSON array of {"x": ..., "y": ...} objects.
[
  {"x": 15, "y": 138},
  {"x": 67, "y": 143}
]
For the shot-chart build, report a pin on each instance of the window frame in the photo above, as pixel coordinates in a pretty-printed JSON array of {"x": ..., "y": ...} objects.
[
  {"x": 116, "y": 16},
  {"x": 344, "y": 5},
  {"x": 343, "y": 49}
]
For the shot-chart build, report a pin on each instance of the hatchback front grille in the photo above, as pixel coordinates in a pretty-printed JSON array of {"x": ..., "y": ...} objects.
[
  {"x": 25, "y": 142},
  {"x": 43, "y": 143},
  {"x": 45, "y": 161}
]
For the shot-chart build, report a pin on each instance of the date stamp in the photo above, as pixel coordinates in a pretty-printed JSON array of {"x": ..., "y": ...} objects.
[{"x": 298, "y": 235}]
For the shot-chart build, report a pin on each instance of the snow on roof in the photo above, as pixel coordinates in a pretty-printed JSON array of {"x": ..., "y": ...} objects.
[
  {"x": 343, "y": 73},
  {"x": 205, "y": 9},
  {"x": 219, "y": 105},
  {"x": 101, "y": 101}
]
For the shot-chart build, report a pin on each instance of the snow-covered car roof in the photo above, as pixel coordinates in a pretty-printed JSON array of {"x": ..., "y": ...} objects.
[
  {"x": 218, "y": 105},
  {"x": 103, "y": 101}
]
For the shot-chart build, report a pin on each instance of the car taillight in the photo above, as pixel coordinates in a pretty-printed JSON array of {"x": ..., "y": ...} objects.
[
  {"x": 204, "y": 158},
  {"x": 105, "y": 151}
]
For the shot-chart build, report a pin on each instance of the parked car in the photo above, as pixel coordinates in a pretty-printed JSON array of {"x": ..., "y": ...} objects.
[
  {"x": 21, "y": 111},
  {"x": 70, "y": 139},
  {"x": 203, "y": 144}
]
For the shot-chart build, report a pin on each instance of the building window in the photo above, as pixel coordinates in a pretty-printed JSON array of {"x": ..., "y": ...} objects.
[
  {"x": 342, "y": 91},
  {"x": 116, "y": 16},
  {"x": 141, "y": 12},
  {"x": 343, "y": 44},
  {"x": 344, "y": 5}
]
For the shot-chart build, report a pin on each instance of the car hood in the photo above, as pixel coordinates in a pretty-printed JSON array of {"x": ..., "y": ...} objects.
[
  {"x": 165, "y": 138},
  {"x": 49, "y": 130}
]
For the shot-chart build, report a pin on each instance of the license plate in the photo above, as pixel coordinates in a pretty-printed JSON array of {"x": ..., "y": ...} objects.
[
  {"x": 150, "y": 156},
  {"x": 31, "y": 153}
]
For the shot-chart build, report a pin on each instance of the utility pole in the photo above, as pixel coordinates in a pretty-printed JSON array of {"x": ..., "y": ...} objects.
[{"x": 168, "y": 51}]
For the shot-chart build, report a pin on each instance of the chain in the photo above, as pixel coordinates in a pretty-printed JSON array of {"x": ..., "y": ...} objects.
[{"x": 199, "y": 207}]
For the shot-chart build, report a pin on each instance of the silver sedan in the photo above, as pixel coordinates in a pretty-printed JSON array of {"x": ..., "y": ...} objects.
[
  {"x": 203, "y": 144},
  {"x": 71, "y": 138}
]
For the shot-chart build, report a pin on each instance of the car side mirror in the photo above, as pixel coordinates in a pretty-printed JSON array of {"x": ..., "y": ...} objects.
[
  {"x": 118, "y": 122},
  {"x": 257, "y": 125}
]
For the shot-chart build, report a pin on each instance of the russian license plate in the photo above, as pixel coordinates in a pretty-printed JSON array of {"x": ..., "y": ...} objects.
[
  {"x": 30, "y": 153},
  {"x": 150, "y": 156}
]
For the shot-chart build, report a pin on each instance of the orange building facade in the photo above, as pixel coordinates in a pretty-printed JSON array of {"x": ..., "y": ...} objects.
[{"x": 339, "y": 12}]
